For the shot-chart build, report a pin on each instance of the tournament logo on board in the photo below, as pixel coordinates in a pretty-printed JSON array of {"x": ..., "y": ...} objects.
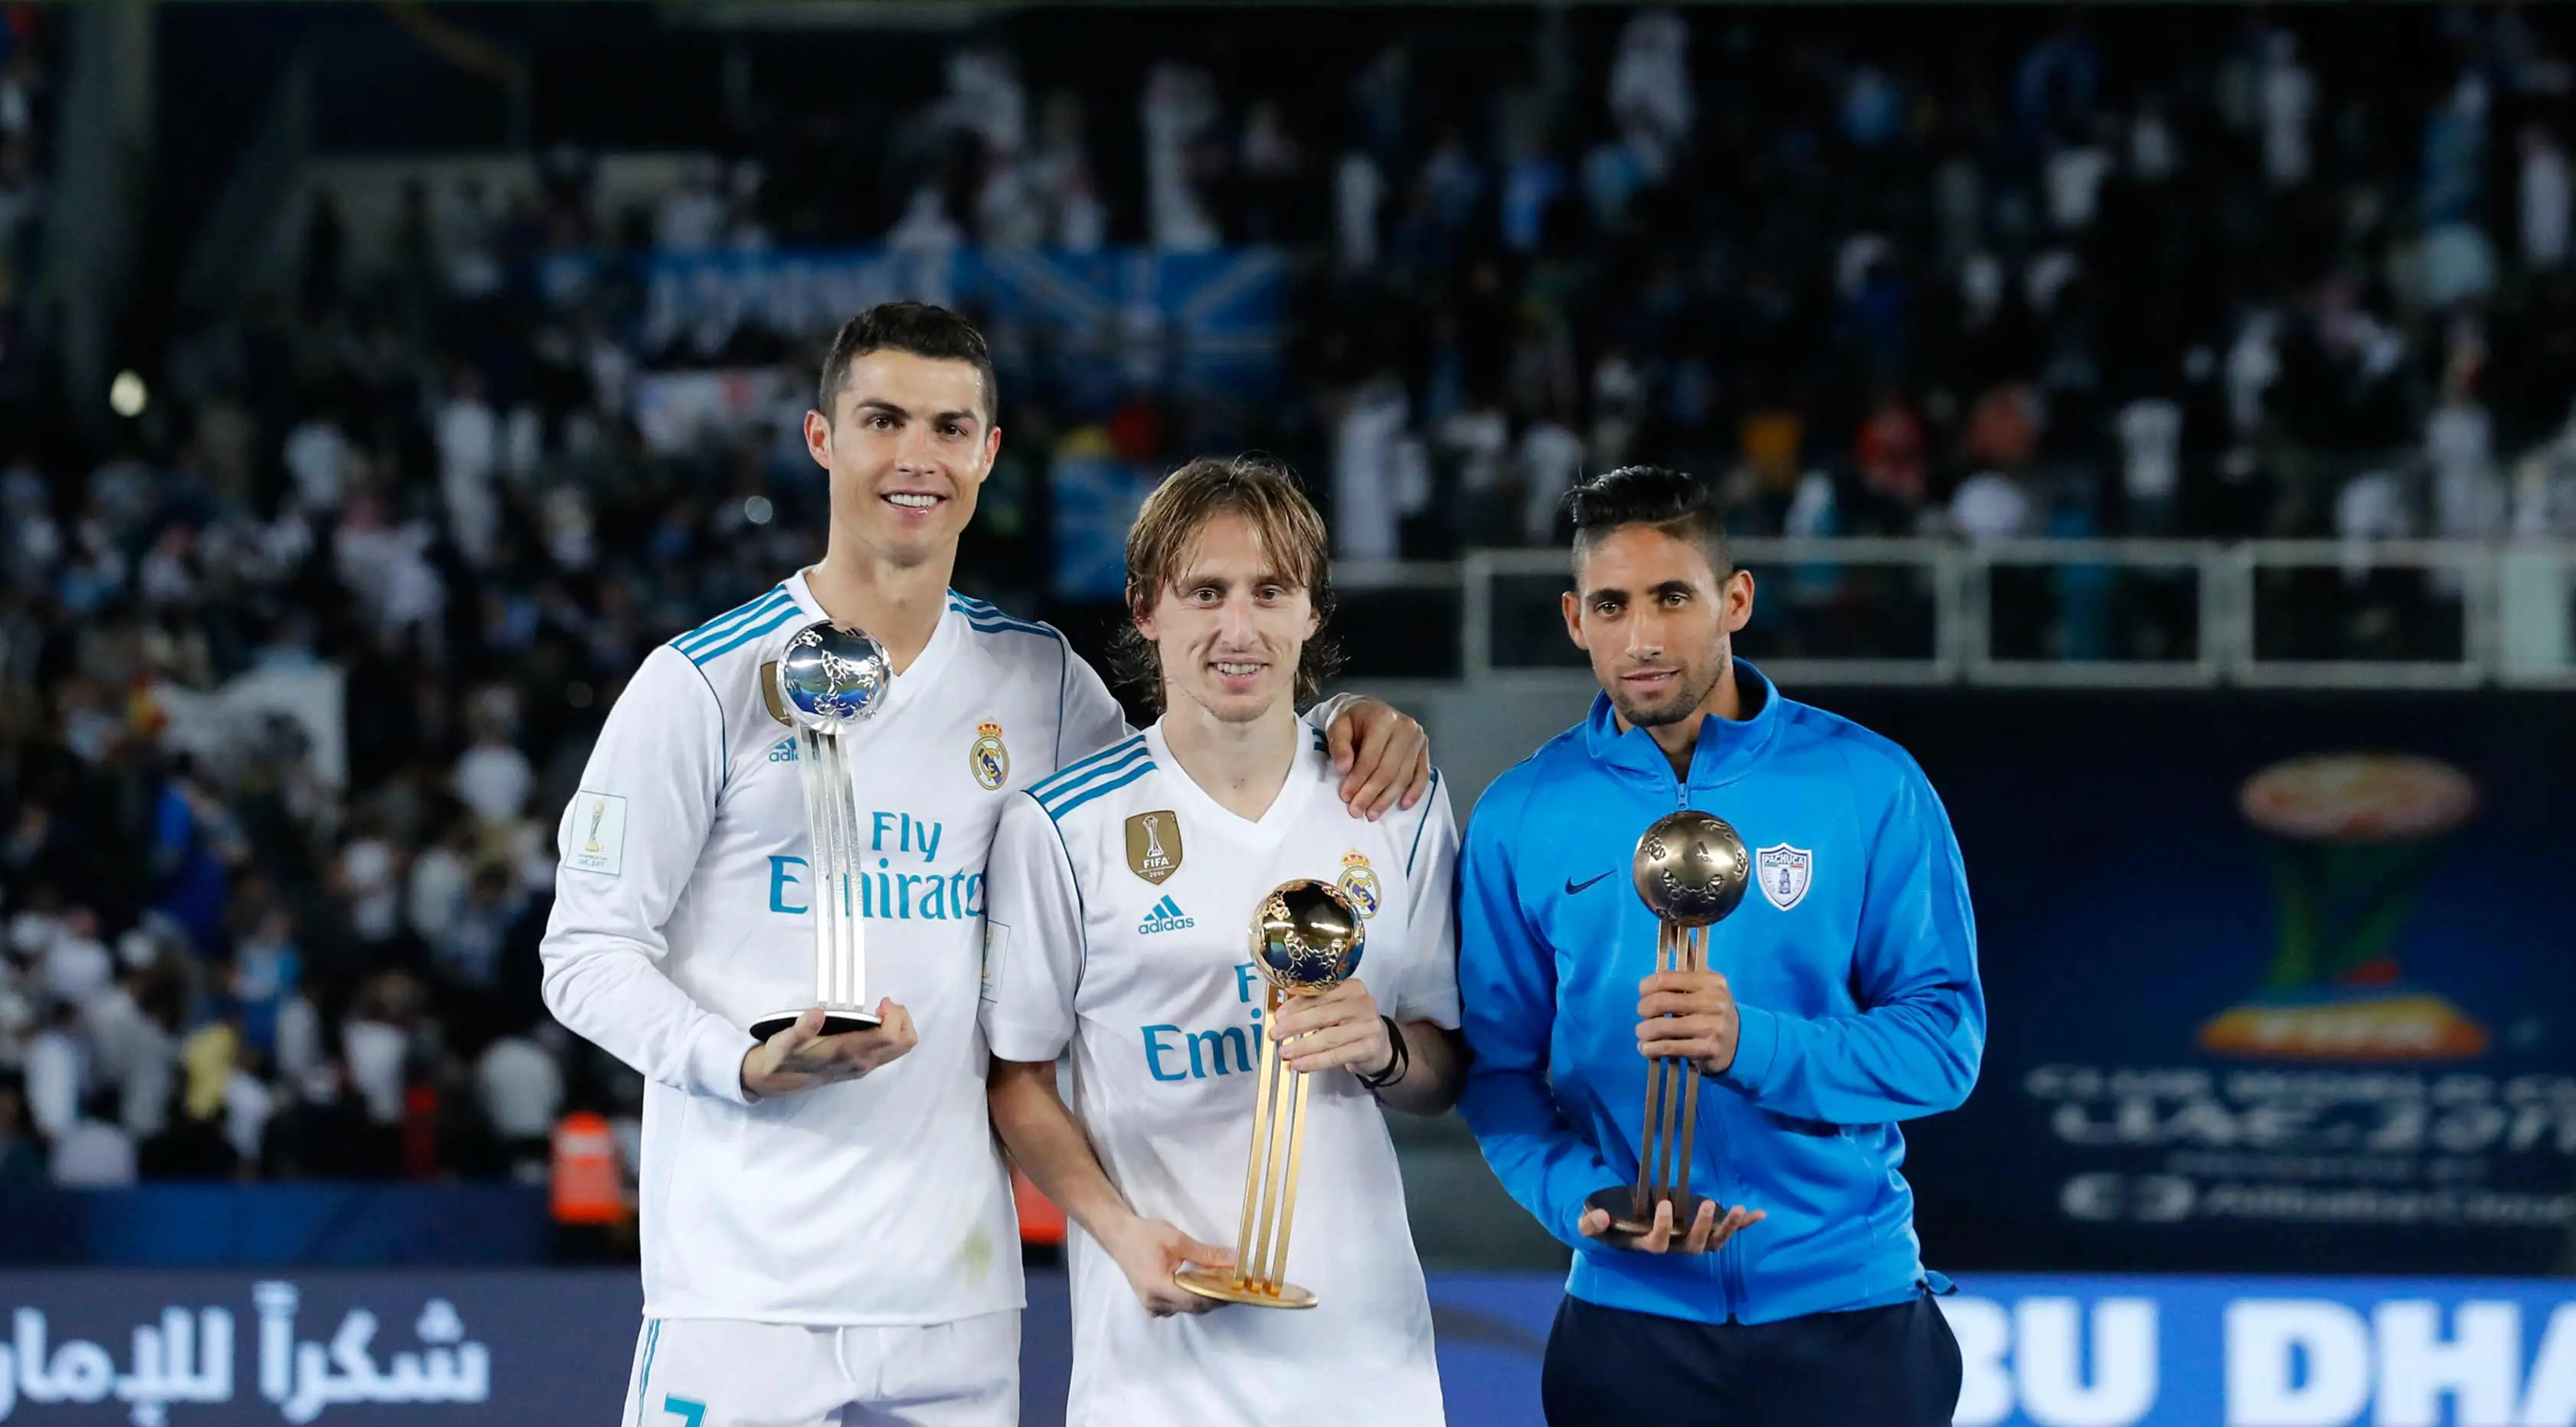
[
  {"x": 1154, "y": 845},
  {"x": 2350, "y": 838},
  {"x": 990, "y": 760},
  {"x": 1359, "y": 882}
]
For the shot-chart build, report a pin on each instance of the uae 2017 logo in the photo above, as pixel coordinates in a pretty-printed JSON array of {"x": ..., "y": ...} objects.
[{"x": 2349, "y": 840}]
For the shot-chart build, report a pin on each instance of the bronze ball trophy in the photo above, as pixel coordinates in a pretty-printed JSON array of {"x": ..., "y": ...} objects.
[{"x": 1691, "y": 871}]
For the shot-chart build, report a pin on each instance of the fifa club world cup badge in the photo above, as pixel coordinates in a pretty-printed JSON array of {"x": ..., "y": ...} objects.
[
  {"x": 990, "y": 760},
  {"x": 1359, "y": 882},
  {"x": 769, "y": 695},
  {"x": 1154, "y": 845}
]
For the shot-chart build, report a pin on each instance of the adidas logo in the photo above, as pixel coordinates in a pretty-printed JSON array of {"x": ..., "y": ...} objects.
[
  {"x": 784, "y": 751},
  {"x": 1167, "y": 916}
]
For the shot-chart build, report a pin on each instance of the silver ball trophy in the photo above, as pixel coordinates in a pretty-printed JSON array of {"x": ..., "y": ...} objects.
[
  {"x": 1691, "y": 871},
  {"x": 830, "y": 679}
]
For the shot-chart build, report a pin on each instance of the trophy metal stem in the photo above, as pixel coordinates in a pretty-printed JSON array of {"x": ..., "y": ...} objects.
[
  {"x": 1256, "y": 1167},
  {"x": 1274, "y": 1274},
  {"x": 840, "y": 932},
  {"x": 840, "y": 970},
  {"x": 1672, "y": 1104},
  {"x": 1270, "y": 1174}
]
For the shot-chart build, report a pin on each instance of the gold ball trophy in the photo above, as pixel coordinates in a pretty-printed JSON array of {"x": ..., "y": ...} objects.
[
  {"x": 1306, "y": 940},
  {"x": 1691, "y": 871}
]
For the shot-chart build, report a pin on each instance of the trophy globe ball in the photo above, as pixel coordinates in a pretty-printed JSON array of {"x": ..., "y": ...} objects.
[
  {"x": 832, "y": 676},
  {"x": 1307, "y": 936},
  {"x": 1691, "y": 868}
]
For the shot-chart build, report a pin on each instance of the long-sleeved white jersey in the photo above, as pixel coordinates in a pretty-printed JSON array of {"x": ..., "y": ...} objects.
[
  {"x": 1122, "y": 895},
  {"x": 680, "y": 916}
]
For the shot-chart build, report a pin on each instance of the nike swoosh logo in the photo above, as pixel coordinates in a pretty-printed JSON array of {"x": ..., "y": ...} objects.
[{"x": 1572, "y": 886}]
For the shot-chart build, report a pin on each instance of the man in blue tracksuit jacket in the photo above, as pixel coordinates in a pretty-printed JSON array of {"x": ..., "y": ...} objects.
[{"x": 1841, "y": 997}]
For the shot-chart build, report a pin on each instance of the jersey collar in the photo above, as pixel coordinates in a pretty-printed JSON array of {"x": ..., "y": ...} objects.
[
  {"x": 944, "y": 639},
  {"x": 1727, "y": 748},
  {"x": 1273, "y": 824}
]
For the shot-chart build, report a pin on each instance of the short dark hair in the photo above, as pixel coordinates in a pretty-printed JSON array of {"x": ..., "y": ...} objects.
[
  {"x": 1677, "y": 503},
  {"x": 921, "y": 328},
  {"x": 1262, "y": 491}
]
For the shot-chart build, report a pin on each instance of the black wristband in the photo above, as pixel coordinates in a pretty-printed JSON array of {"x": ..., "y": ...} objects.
[{"x": 1398, "y": 1063}]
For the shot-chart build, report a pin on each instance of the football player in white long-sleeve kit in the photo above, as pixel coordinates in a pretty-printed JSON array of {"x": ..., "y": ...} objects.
[
  {"x": 828, "y": 1234},
  {"x": 1122, "y": 890}
]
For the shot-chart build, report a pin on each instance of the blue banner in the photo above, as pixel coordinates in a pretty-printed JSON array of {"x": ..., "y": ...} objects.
[
  {"x": 1093, "y": 325},
  {"x": 213, "y": 1349},
  {"x": 302, "y": 1224},
  {"x": 2069, "y": 1351}
]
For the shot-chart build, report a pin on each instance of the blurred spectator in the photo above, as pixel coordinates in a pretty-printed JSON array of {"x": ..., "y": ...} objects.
[
  {"x": 94, "y": 1152},
  {"x": 2150, "y": 463},
  {"x": 1367, "y": 481},
  {"x": 57, "y": 1069},
  {"x": 1990, "y": 506},
  {"x": 2459, "y": 444},
  {"x": 692, "y": 216},
  {"x": 2544, "y": 487},
  {"x": 1179, "y": 112},
  {"x": 2545, "y": 200},
  {"x": 1060, "y": 173},
  {"x": 520, "y": 1089},
  {"x": 22, "y": 1159},
  {"x": 2289, "y": 100},
  {"x": 1358, "y": 190},
  {"x": 1890, "y": 452},
  {"x": 376, "y": 1043},
  {"x": 1547, "y": 461},
  {"x": 2003, "y": 429},
  {"x": 493, "y": 778},
  {"x": 468, "y": 453},
  {"x": 194, "y": 841},
  {"x": 1650, "y": 90}
]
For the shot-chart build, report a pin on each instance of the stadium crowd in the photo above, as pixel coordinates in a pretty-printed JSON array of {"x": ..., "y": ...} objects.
[{"x": 295, "y": 675}]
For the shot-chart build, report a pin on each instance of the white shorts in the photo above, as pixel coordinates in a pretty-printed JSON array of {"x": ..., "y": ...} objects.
[{"x": 715, "y": 1372}]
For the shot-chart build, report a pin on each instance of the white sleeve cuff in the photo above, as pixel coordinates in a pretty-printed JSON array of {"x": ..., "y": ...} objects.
[{"x": 716, "y": 1049}]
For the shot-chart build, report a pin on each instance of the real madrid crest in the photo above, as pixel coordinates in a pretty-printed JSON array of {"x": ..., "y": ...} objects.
[
  {"x": 1359, "y": 882},
  {"x": 990, "y": 760}
]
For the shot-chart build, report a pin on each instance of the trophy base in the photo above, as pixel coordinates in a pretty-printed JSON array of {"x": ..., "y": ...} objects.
[
  {"x": 835, "y": 1023},
  {"x": 1626, "y": 1228},
  {"x": 1225, "y": 1288}
]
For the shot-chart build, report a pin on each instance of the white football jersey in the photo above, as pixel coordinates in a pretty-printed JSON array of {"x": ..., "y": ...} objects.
[
  {"x": 1122, "y": 903},
  {"x": 681, "y": 916}
]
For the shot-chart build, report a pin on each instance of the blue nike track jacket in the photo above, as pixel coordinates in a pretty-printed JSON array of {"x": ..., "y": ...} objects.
[{"x": 1853, "y": 963}]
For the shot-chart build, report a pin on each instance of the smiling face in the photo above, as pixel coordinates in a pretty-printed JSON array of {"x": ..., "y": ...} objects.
[
  {"x": 1230, "y": 626},
  {"x": 908, "y": 442},
  {"x": 1658, "y": 621}
]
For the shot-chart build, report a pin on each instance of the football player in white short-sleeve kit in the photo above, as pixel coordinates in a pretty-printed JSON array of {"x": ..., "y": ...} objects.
[
  {"x": 1117, "y": 924},
  {"x": 828, "y": 1233}
]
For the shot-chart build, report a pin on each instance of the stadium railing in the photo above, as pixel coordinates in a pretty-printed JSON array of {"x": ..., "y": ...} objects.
[{"x": 2297, "y": 614}]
